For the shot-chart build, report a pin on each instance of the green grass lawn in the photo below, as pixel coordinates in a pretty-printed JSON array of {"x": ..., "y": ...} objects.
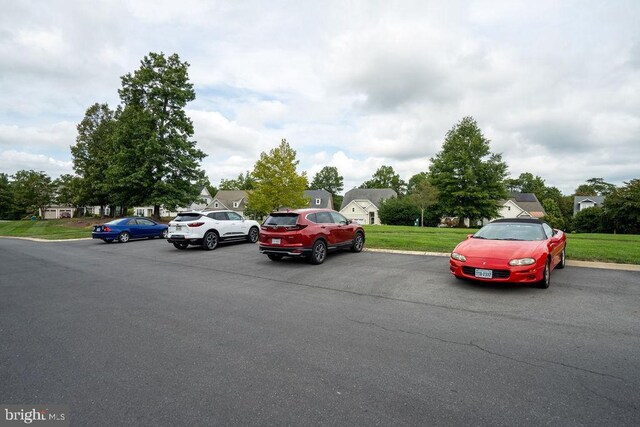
[
  {"x": 586, "y": 247},
  {"x": 51, "y": 229},
  {"x": 619, "y": 248}
]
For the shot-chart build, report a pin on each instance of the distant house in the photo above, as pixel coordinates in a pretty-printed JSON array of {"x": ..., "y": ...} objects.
[
  {"x": 57, "y": 212},
  {"x": 235, "y": 200},
  {"x": 203, "y": 200},
  {"x": 521, "y": 205},
  {"x": 584, "y": 202},
  {"x": 361, "y": 205},
  {"x": 319, "y": 199}
]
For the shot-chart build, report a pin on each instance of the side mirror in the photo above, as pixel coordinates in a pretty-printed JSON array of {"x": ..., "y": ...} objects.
[
  {"x": 349, "y": 221},
  {"x": 469, "y": 236}
]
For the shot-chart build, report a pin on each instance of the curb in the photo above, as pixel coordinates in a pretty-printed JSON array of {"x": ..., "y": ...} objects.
[
  {"x": 570, "y": 263},
  {"x": 35, "y": 239}
]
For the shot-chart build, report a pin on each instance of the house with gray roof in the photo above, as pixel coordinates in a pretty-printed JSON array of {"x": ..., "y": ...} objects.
[
  {"x": 521, "y": 205},
  {"x": 235, "y": 200},
  {"x": 584, "y": 202},
  {"x": 319, "y": 199},
  {"x": 361, "y": 204}
]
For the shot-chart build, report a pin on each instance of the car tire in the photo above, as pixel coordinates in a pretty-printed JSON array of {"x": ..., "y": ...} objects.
[
  {"x": 546, "y": 276},
  {"x": 563, "y": 260},
  {"x": 252, "y": 237},
  {"x": 181, "y": 246},
  {"x": 124, "y": 237},
  {"x": 210, "y": 240},
  {"x": 164, "y": 234},
  {"x": 358, "y": 242},
  {"x": 318, "y": 252},
  {"x": 275, "y": 257}
]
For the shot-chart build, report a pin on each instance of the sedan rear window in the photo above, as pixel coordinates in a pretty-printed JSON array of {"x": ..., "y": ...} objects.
[
  {"x": 281, "y": 220},
  {"x": 184, "y": 217}
]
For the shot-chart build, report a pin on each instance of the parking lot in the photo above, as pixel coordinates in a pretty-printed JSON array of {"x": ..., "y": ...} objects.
[{"x": 144, "y": 333}]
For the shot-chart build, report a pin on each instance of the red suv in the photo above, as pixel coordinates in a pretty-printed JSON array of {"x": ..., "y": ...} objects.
[{"x": 310, "y": 233}]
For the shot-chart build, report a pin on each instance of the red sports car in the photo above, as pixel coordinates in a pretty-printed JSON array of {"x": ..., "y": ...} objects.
[
  {"x": 310, "y": 233},
  {"x": 511, "y": 250}
]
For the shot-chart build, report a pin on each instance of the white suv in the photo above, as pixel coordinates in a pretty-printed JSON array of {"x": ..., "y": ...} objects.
[{"x": 209, "y": 228}]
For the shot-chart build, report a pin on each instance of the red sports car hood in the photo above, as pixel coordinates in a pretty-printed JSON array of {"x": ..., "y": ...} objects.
[{"x": 500, "y": 249}]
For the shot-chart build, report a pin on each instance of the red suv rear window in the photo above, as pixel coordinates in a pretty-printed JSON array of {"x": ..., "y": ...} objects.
[{"x": 282, "y": 220}]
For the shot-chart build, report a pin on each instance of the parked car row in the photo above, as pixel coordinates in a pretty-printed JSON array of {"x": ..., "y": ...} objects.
[
  {"x": 308, "y": 233},
  {"x": 507, "y": 250}
]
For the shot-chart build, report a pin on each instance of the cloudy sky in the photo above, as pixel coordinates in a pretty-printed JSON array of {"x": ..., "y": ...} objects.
[{"x": 554, "y": 85}]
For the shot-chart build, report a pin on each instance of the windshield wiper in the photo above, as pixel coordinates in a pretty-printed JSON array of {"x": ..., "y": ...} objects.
[{"x": 478, "y": 237}]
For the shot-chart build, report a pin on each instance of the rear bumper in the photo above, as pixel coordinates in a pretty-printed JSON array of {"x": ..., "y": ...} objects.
[
  {"x": 184, "y": 239},
  {"x": 103, "y": 235},
  {"x": 279, "y": 250}
]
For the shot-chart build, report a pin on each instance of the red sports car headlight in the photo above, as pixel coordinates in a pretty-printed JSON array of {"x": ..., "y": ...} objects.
[
  {"x": 522, "y": 261},
  {"x": 458, "y": 257}
]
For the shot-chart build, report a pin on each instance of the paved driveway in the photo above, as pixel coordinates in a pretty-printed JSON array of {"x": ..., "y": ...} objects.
[{"x": 141, "y": 333}]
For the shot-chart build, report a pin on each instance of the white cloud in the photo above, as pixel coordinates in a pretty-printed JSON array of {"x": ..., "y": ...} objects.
[
  {"x": 12, "y": 161},
  {"x": 356, "y": 85}
]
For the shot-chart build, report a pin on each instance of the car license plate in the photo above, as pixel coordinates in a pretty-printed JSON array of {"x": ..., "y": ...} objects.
[
  {"x": 98, "y": 229},
  {"x": 275, "y": 241},
  {"x": 485, "y": 274}
]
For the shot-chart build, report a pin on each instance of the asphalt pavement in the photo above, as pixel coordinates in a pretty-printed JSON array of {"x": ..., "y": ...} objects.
[{"x": 142, "y": 333}]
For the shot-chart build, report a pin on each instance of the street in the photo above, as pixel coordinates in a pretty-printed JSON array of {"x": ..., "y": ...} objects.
[{"x": 141, "y": 333}]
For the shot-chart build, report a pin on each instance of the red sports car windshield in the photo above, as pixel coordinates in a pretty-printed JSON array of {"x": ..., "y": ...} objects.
[{"x": 511, "y": 231}]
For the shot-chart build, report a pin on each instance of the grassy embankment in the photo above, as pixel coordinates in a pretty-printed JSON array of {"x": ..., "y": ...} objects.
[
  {"x": 618, "y": 248},
  {"x": 588, "y": 247}
]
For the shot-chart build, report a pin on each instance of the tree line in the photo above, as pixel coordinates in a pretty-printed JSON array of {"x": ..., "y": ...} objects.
[{"x": 142, "y": 153}]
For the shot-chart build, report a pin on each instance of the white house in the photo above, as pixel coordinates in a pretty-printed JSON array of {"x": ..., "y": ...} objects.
[
  {"x": 203, "y": 200},
  {"x": 235, "y": 200},
  {"x": 584, "y": 202},
  {"x": 521, "y": 205},
  {"x": 361, "y": 205}
]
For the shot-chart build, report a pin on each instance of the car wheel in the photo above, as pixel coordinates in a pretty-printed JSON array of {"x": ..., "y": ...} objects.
[
  {"x": 210, "y": 240},
  {"x": 358, "y": 242},
  {"x": 124, "y": 237},
  {"x": 563, "y": 260},
  {"x": 546, "y": 276},
  {"x": 318, "y": 252},
  {"x": 252, "y": 237},
  {"x": 181, "y": 245},
  {"x": 275, "y": 257}
]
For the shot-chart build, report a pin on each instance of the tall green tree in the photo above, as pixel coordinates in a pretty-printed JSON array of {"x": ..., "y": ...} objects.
[
  {"x": 278, "y": 184},
  {"x": 386, "y": 177},
  {"x": 242, "y": 182},
  {"x": 93, "y": 155},
  {"x": 158, "y": 158},
  {"x": 330, "y": 180},
  {"x": 32, "y": 191},
  {"x": 595, "y": 187},
  {"x": 416, "y": 180},
  {"x": 622, "y": 208},
  {"x": 6, "y": 197},
  {"x": 469, "y": 178},
  {"x": 68, "y": 190}
]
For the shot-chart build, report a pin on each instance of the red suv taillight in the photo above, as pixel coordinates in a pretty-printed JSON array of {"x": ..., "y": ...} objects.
[{"x": 195, "y": 224}]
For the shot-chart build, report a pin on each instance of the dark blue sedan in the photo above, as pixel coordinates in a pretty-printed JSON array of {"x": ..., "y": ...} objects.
[{"x": 125, "y": 229}]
